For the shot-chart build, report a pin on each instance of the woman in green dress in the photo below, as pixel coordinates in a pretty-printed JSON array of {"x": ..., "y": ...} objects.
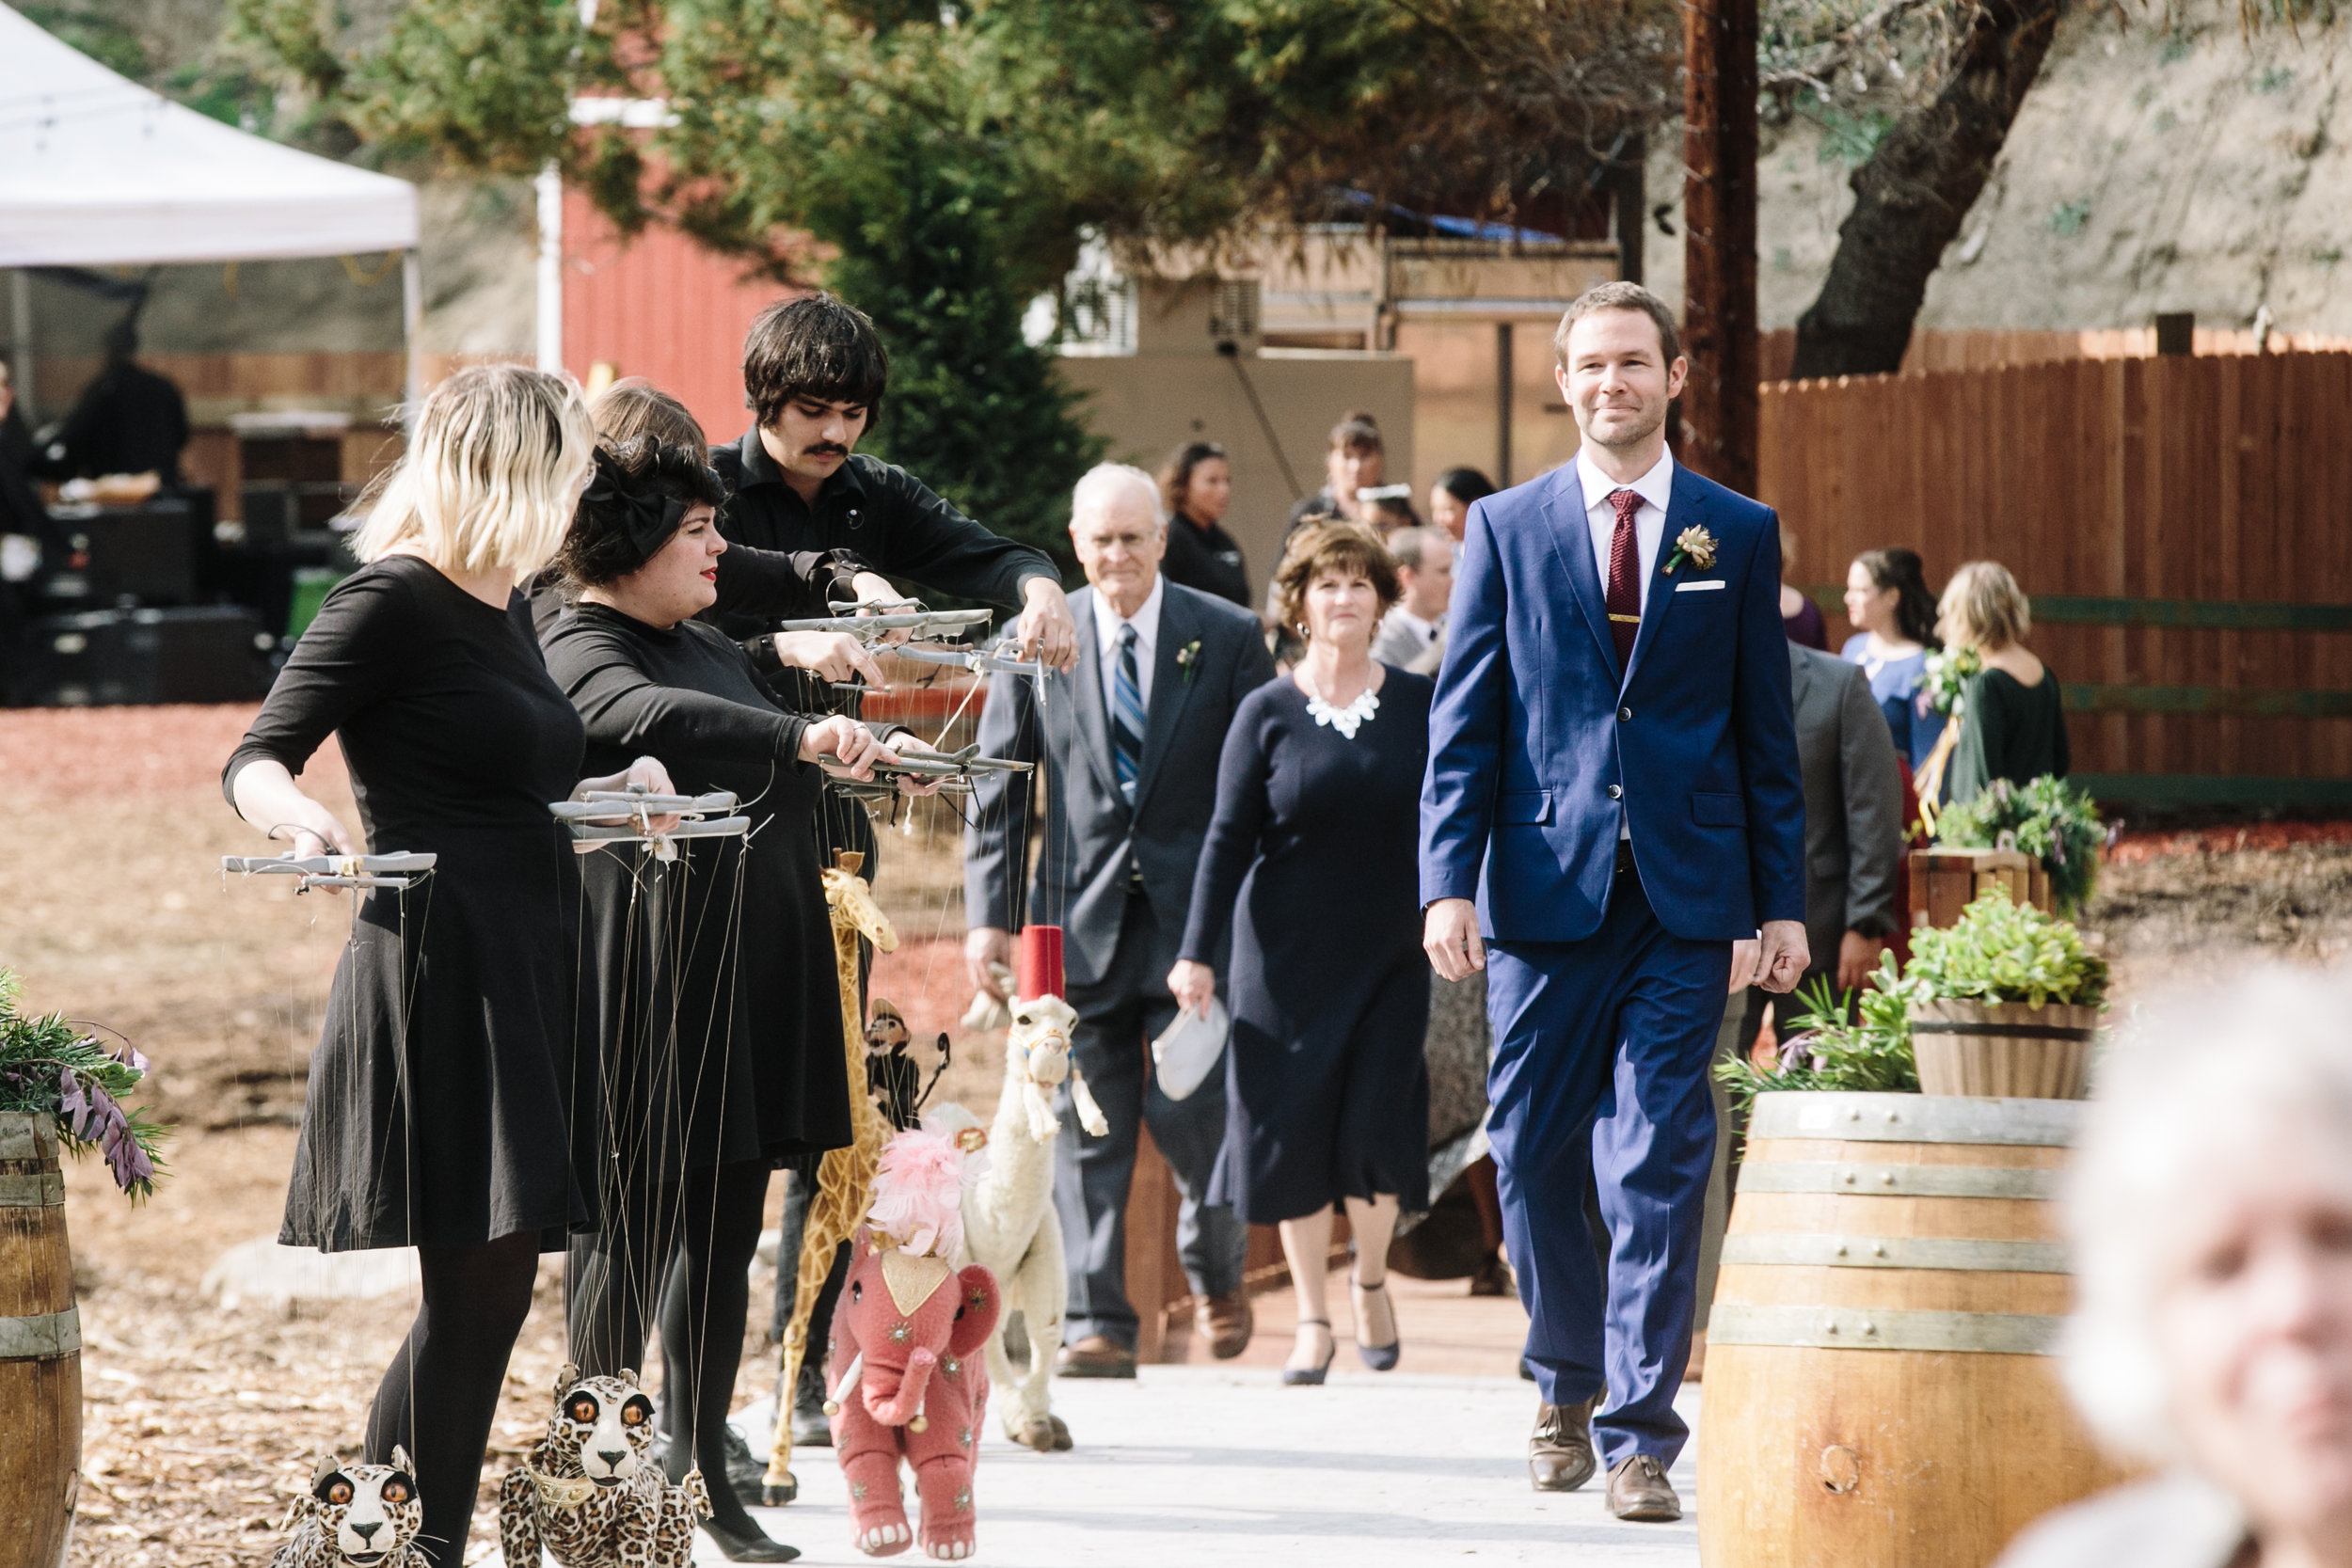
[{"x": 2011, "y": 724}]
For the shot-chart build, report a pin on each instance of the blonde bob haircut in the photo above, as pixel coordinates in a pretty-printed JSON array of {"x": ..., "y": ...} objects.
[
  {"x": 1983, "y": 608},
  {"x": 2209, "y": 1094},
  {"x": 494, "y": 469},
  {"x": 1332, "y": 547}
]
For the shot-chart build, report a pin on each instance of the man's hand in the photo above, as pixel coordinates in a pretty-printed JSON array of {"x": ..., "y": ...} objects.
[
  {"x": 834, "y": 655},
  {"x": 1857, "y": 956},
  {"x": 1744, "y": 956},
  {"x": 984, "y": 946},
  {"x": 1782, "y": 958},
  {"x": 871, "y": 589},
  {"x": 1449, "y": 934},
  {"x": 1046, "y": 630}
]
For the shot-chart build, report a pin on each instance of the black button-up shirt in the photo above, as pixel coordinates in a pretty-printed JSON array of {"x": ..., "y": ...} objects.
[{"x": 883, "y": 513}]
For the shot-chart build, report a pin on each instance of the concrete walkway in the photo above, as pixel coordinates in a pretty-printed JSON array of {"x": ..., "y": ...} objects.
[{"x": 1221, "y": 1466}]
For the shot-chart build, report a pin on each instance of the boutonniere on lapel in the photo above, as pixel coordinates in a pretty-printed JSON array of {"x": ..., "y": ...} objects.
[
  {"x": 1185, "y": 656},
  {"x": 1695, "y": 545}
]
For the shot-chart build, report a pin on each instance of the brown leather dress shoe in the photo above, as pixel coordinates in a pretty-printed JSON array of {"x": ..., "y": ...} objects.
[
  {"x": 1639, "y": 1492},
  {"x": 1226, "y": 1323},
  {"x": 1560, "y": 1450},
  {"x": 1095, "y": 1356}
]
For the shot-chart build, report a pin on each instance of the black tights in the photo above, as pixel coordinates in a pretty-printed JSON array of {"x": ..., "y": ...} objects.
[
  {"x": 710, "y": 1223},
  {"x": 441, "y": 1391}
]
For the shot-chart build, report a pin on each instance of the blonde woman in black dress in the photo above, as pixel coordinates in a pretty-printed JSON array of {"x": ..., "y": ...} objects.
[
  {"x": 1312, "y": 854},
  {"x": 437, "y": 1113}
]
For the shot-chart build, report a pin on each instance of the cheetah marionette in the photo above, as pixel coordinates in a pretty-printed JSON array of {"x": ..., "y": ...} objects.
[
  {"x": 591, "y": 1493},
  {"x": 356, "y": 1516}
]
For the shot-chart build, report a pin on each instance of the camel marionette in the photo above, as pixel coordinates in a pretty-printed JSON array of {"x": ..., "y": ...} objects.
[
  {"x": 845, "y": 1177},
  {"x": 906, "y": 1385},
  {"x": 1009, "y": 1225}
]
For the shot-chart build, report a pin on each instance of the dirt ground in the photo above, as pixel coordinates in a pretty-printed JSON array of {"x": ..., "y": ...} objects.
[{"x": 201, "y": 1420}]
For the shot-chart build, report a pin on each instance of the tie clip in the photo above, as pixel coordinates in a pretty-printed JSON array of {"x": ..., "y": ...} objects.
[{"x": 1636, "y": 620}]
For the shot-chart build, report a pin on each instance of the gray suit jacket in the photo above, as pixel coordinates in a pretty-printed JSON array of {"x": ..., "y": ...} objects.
[
  {"x": 1093, "y": 842},
  {"x": 1854, "y": 802},
  {"x": 1395, "y": 642}
]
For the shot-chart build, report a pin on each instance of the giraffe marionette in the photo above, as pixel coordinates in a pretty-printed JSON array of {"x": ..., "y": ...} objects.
[{"x": 845, "y": 1178}]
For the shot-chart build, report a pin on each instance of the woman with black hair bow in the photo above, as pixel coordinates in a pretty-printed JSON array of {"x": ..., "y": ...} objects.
[{"x": 720, "y": 1021}]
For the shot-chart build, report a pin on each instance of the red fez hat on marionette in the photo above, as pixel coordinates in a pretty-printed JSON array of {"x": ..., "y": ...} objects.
[{"x": 1040, "y": 963}]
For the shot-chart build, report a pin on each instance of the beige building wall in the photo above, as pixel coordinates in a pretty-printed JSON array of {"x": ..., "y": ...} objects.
[{"x": 1149, "y": 404}]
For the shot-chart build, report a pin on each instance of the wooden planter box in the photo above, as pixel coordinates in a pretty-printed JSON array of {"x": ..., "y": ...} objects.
[
  {"x": 2006, "y": 1048},
  {"x": 1942, "y": 882}
]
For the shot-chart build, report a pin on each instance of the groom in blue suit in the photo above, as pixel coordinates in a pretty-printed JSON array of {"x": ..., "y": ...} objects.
[{"x": 1612, "y": 803}]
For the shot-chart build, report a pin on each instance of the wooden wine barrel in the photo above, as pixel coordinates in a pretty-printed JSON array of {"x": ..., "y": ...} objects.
[
  {"x": 40, "y": 1350},
  {"x": 1880, "y": 1389}
]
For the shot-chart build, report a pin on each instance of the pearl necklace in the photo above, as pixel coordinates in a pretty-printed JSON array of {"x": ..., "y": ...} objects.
[{"x": 1344, "y": 720}]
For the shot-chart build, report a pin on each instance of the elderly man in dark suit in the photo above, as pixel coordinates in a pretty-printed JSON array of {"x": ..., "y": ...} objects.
[{"x": 1127, "y": 757}]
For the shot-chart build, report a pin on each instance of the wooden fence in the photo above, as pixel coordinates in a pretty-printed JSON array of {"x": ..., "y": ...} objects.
[{"x": 2183, "y": 525}]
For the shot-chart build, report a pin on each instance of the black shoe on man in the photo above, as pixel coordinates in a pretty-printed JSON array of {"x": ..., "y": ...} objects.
[
  {"x": 810, "y": 1429},
  {"x": 1560, "y": 1450}
]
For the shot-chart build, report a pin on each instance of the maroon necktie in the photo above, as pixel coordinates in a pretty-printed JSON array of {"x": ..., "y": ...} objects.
[{"x": 1624, "y": 577}]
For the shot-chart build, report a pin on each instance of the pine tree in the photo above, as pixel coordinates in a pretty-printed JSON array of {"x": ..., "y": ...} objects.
[{"x": 973, "y": 410}]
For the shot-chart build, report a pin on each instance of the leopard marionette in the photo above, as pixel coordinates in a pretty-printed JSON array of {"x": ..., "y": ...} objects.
[
  {"x": 356, "y": 1516},
  {"x": 591, "y": 1493}
]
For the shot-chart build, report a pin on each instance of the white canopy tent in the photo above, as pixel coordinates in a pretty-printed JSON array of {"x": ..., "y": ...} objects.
[{"x": 96, "y": 170}]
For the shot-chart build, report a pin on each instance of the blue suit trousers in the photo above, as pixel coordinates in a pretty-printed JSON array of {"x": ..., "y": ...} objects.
[{"x": 1602, "y": 1048}]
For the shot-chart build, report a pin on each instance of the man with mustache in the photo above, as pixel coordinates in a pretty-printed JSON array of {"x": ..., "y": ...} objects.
[{"x": 814, "y": 371}]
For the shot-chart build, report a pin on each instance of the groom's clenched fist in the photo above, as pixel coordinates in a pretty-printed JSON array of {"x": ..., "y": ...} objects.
[
  {"x": 1784, "y": 958},
  {"x": 1449, "y": 934}
]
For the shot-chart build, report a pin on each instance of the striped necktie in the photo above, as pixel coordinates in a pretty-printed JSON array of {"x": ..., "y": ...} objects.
[{"x": 1127, "y": 716}]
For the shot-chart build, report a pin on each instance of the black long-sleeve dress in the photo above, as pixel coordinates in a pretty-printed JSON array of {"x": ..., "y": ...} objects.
[
  {"x": 1313, "y": 851},
  {"x": 714, "y": 980},
  {"x": 436, "y": 1108}
]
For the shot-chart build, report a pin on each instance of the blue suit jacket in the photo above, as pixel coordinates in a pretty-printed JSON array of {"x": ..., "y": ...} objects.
[{"x": 1531, "y": 728}]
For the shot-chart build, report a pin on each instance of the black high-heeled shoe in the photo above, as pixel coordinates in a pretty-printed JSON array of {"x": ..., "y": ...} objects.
[
  {"x": 1380, "y": 1359},
  {"x": 1309, "y": 1377},
  {"x": 757, "y": 1546}
]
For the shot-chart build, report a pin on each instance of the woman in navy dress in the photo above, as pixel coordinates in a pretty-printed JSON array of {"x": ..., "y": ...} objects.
[
  {"x": 1894, "y": 620},
  {"x": 1312, "y": 852}
]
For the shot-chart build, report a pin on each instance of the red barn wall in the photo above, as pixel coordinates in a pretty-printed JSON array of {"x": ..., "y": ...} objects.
[{"x": 661, "y": 306}]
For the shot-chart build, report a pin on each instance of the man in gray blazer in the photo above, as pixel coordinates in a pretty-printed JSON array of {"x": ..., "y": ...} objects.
[
  {"x": 1127, "y": 756},
  {"x": 1854, "y": 830},
  {"x": 1412, "y": 634}
]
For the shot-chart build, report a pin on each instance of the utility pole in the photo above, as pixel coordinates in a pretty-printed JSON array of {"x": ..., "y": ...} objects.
[{"x": 1719, "y": 404}]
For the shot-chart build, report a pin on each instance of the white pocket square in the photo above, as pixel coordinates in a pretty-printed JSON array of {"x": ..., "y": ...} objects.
[{"x": 1699, "y": 585}]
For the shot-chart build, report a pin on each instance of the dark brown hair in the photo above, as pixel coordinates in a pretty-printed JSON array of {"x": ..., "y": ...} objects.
[
  {"x": 633, "y": 406},
  {"x": 1175, "y": 475},
  {"x": 1358, "y": 431},
  {"x": 1620, "y": 296},
  {"x": 815, "y": 347},
  {"x": 1900, "y": 569},
  {"x": 602, "y": 547},
  {"x": 1327, "y": 545}
]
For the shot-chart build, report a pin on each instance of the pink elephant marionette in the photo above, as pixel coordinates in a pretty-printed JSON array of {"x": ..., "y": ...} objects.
[{"x": 908, "y": 1376}]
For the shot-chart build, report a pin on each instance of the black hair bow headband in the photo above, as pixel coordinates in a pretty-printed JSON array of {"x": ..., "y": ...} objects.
[{"x": 649, "y": 519}]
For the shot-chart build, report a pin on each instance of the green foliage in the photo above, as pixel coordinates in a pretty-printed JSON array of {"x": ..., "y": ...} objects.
[
  {"x": 2070, "y": 218},
  {"x": 94, "y": 32},
  {"x": 50, "y": 1065},
  {"x": 1839, "y": 1042},
  {"x": 1848, "y": 136},
  {"x": 2000, "y": 951},
  {"x": 2049, "y": 818}
]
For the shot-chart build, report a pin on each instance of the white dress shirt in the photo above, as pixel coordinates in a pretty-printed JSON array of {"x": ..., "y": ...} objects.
[
  {"x": 1655, "y": 488},
  {"x": 1146, "y": 621}
]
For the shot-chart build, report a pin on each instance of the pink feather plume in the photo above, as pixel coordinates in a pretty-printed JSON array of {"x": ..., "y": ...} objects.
[{"x": 918, "y": 1193}]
